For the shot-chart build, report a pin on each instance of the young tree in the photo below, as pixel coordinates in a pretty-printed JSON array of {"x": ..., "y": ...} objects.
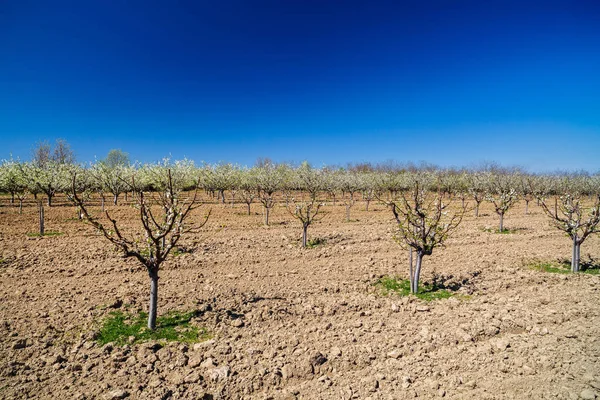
[
  {"x": 114, "y": 179},
  {"x": 268, "y": 182},
  {"x": 457, "y": 185},
  {"x": 349, "y": 184},
  {"x": 218, "y": 178},
  {"x": 310, "y": 181},
  {"x": 248, "y": 186},
  {"x": 501, "y": 192},
  {"x": 367, "y": 184},
  {"x": 84, "y": 184},
  {"x": 50, "y": 179},
  {"x": 527, "y": 186},
  {"x": 332, "y": 183},
  {"x": 477, "y": 187},
  {"x": 13, "y": 181},
  {"x": 161, "y": 233},
  {"x": 573, "y": 212},
  {"x": 425, "y": 220}
]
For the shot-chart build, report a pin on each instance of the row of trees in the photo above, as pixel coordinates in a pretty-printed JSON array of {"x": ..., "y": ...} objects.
[
  {"x": 420, "y": 200},
  {"x": 502, "y": 187}
]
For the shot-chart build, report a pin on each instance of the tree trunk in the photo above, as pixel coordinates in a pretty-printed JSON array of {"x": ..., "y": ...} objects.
[
  {"x": 125, "y": 197},
  {"x": 348, "y": 212},
  {"x": 153, "y": 300},
  {"x": 20, "y": 206},
  {"x": 41, "y": 219},
  {"x": 222, "y": 196},
  {"x": 12, "y": 197},
  {"x": 476, "y": 209},
  {"x": 526, "y": 207},
  {"x": 367, "y": 206},
  {"x": 575, "y": 256},
  {"x": 501, "y": 222},
  {"x": 248, "y": 204},
  {"x": 266, "y": 215},
  {"x": 304, "y": 235},
  {"x": 49, "y": 200},
  {"x": 232, "y": 199},
  {"x": 415, "y": 284},
  {"x": 333, "y": 199},
  {"x": 410, "y": 266},
  {"x": 115, "y": 198}
]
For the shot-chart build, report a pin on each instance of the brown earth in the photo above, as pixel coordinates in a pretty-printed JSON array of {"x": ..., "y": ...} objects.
[{"x": 300, "y": 324}]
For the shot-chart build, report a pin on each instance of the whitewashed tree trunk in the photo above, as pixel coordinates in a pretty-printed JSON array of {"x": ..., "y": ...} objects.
[
  {"x": 576, "y": 254},
  {"x": 417, "y": 273},
  {"x": 304, "y": 235},
  {"x": 410, "y": 266},
  {"x": 41, "y": 219},
  {"x": 152, "y": 312}
]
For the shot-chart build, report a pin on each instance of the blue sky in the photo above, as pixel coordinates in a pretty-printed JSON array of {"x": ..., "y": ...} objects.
[{"x": 452, "y": 83}]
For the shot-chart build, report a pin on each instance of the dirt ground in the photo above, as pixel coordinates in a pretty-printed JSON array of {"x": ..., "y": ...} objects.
[{"x": 300, "y": 324}]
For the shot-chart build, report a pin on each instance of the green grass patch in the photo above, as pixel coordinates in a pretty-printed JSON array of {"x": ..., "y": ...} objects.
[
  {"x": 121, "y": 328},
  {"x": 590, "y": 267},
  {"x": 46, "y": 234},
  {"x": 312, "y": 243},
  {"x": 401, "y": 287}
]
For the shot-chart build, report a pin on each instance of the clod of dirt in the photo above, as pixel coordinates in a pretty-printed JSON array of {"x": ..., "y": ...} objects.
[{"x": 318, "y": 359}]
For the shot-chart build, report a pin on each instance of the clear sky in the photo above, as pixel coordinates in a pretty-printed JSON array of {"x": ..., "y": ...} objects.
[{"x": 452, "y": 83}]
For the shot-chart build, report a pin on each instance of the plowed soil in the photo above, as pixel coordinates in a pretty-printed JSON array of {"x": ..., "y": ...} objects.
[{"x": 289, "y": 323}]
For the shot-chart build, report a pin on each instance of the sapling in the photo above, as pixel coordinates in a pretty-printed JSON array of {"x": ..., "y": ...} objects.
[
  {"x": 114, "y": 179},
  {"x": 247, "y": 187},
  {"x": 13, "y": 181},
  {"x": 349, "y": 183},
  {"x": 50, "y": 179},
  {"x": 160, "y": 235},
  {"x": 332, "y": 185},
  {"x": 268, "y": 181},
  {"x": 367, "y": 187},
  {"x": 527, "y": 186},
  {"x": 308, "y": 210},
  {"x": 573, "y": 212},
  {"x": 501, "y": 192},
  {"x": 425, "y": 219},
  {"x": 477, "y": 186}
]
